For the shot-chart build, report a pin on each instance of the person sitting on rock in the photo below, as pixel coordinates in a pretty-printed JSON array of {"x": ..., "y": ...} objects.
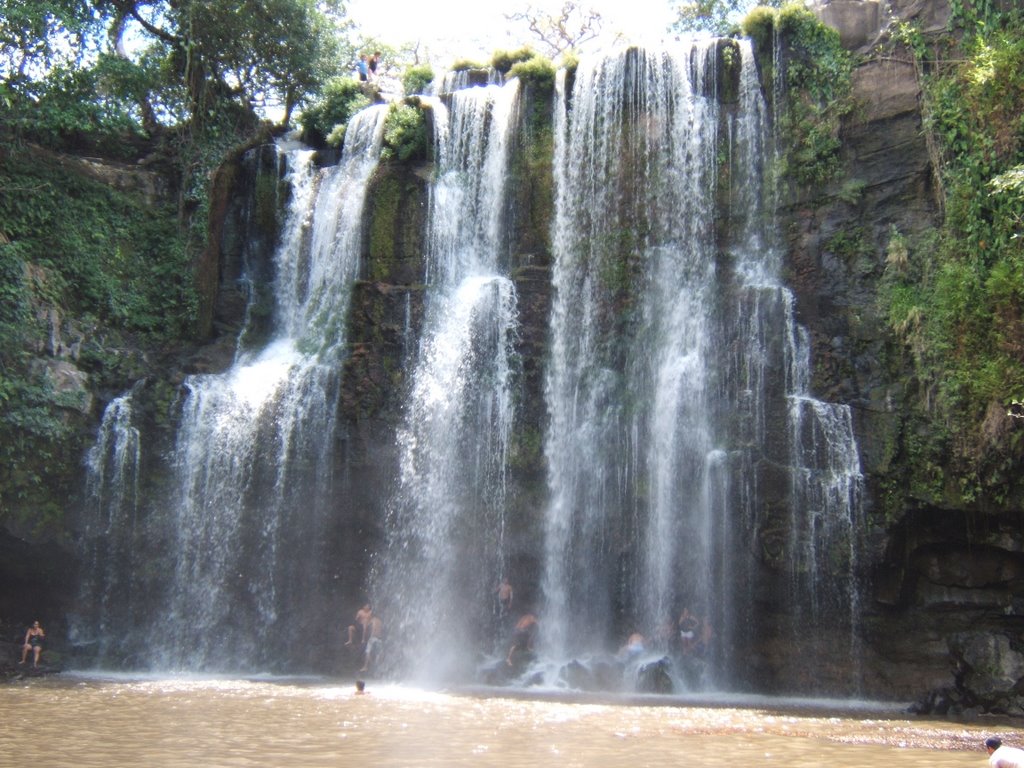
[
  {"x": 633, "y": 648},
  {"x": 523, "y": 636},
  {"x": 33, "y": 642}
]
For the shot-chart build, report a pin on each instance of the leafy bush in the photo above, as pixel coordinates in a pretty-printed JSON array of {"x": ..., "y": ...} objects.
[
  {"x": 538, "y": 71},
  {"x": 106, "y": 253},
  {"x": 461, "y": 65},
  {"x": 417, "y": 78},
  {"x": 405, "y": 133},
  {"x": 956, "y": 300},
  {"x": 759, "y": 26},
  {"x": 72, "y": 247},
  {"x": 342, "y": 98},
  {"x": 570, "y": 61},
  {"x": 503, "y": 61},
  {"x": 77, "y": 108}
]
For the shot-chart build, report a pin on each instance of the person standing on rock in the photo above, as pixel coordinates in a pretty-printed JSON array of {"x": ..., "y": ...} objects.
[
  {"x": 33, "y": 642},
  {"x": 504, "y": 597},
  {"x": 1003, "y": 757},
  {"x": 374, "y": 644}
]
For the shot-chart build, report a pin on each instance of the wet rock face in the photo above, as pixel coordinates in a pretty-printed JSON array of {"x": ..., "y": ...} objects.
[
  {"x": 859, "y": 21},
  {"x": 989, "y": 665}
]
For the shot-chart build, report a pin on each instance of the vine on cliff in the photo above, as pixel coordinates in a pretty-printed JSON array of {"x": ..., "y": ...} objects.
[{"x": 956, "y": 299}]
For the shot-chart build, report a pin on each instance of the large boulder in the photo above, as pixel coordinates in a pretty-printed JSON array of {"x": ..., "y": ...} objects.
[
  {"x": 990, "y": 670},
  {"x": 859, "y": 22}
]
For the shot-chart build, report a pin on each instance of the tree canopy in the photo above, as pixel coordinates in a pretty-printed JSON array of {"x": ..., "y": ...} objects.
[
  {"x": 716, "y": 16},
  {"x": 181, "y": 59}
]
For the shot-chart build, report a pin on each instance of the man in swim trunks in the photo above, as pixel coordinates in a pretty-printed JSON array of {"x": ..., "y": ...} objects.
[
  {"x": 362, "y": 621},
  {"x": 374, "y": 644}
]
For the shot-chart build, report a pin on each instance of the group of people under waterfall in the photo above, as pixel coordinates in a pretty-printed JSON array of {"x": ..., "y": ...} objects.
[
  {"x": 689, "y": 635},
  {"x": 370, "y": 629}
]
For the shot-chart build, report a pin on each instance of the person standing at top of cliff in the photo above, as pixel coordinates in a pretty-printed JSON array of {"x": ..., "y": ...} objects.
[
  {"x": 363, "y": 68},
  {"x": 373, "y": 63},
  {"x": 1003, "y": 757}
]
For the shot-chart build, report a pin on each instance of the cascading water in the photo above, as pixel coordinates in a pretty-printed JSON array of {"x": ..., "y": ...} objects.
[
  {"x": 112, "y": 467},
  {"x": 688, "y": 465},
  {"x": 242, "y": 534},
  {"x": 681, "y": 426},
  {"x": 446, "y": 521},
  {"x": 628, "y": 386}
]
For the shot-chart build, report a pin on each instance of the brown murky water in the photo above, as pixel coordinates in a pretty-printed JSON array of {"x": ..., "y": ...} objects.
[{"x": 86, "y": 722}]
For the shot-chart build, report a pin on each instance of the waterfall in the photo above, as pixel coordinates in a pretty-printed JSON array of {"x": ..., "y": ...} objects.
[
  {"x": 688, "y": 463},
  {"x": 628, "y": 390},
  {"x": 446, "y": 521},
  {"x": 682, "y": 429},
  {"x": 112, "y": 501},
  {"x": 243, "y": 525}
]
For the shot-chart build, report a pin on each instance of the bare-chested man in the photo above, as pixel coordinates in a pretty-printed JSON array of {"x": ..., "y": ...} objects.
[
  {"x": 363, "y": 616},
  {"x": 374, "y": 644},
  {"x": 504, "y": 596},
  {"x": 523, "y": 636}
]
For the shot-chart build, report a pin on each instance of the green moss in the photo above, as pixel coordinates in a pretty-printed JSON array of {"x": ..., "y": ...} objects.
[
  {"x": 266, "y": 205},
  {"x": 850, "y": 244},
  {"x": 729, "y": 75},
  {"x": 817, "y": 80},
  {"x": 383, "y": 217},
  {"x": 526, "y": 449}
]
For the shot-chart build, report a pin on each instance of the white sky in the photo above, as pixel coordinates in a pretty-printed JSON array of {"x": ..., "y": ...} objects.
[{"x": 474, "y": 29}]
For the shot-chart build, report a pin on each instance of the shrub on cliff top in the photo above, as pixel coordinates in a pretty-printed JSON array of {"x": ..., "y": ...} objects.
[
  {"x": 405, "y": 133},
  {"x": 503, "y": 61},
  {"x": 759, "y": 25},
  {"x": 417, "y": 78},
  {"x": 461, "y": 65},
  {"x": 342, "y": 98},
  {"x": 538, "y": 71},
  {"x": 816, "y": 75}
]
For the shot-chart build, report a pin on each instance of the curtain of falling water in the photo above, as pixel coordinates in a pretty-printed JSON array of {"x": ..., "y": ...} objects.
[
  {"x": 682, "y": 427},
  {"x": 445, "y": 550},
  {"x": 236, "y": 541}
]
